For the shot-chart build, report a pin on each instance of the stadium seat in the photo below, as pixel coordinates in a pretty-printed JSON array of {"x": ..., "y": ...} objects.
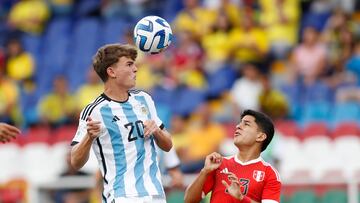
[
  {"x": 345, "y": 112},
  {"x": 114, "y": 30},
  {"x": 317, "y": 92},
  {"x": 304, "y": 196},
  {"x": 315, "y": 129},
  {"x": 220, "y": 80},
  {"x": 35, "y": 135},
  {"x": 187, "y": 100},
  {"x": 345, "y": 129},
  {"x": 64, "y": 134},
  {"x": 334, "y": 196},
  {"x": 316, "y": 111},
  {"x": 175, "y": 197},
  {"x": 9, "y": 159},
  {"x": 287, "y": 128}
]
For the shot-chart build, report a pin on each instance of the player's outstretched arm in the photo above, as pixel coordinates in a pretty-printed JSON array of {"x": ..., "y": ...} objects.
[
  {"x": 8, "y": 132},
  {"x": 80, "y": 152},
  {"x": 162, "y": 136},
  {"x": 194, "y": 191}
]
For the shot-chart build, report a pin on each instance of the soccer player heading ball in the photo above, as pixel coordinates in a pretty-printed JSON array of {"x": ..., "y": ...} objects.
[
  {"x": 244, "y": 177},
  {"x": 122, "y": 127}
]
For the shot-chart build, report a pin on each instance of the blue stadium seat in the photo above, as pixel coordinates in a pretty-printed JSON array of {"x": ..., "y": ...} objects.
[
  {"x": 317, "y": 92},
  {"x": 114, "y": 30},
  {"x": 84, "y": 43},
  {"x": 316, "y": 112},
  {"x": 162, "y": 95},
  {"x": 31, "y": 44},
  {"x": 343, "y": 112},
  {"x": 221, "y": 80},
  {"x": 186, "y": 100}
]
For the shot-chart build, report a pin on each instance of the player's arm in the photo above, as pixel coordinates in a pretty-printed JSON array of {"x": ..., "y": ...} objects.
[
  {"x": 194, "y": 191},
  {"x": 80, "y": 152},
  {"x": 161, "y": 135}
]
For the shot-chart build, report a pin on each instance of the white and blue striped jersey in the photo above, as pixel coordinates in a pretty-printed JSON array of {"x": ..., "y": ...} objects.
[{"x": 128, "y": 161}]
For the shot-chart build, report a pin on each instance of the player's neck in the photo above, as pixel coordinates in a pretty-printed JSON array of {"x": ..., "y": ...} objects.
[
  {"x": 245, "y": 155},
  {"x": 117, "y": 94}
]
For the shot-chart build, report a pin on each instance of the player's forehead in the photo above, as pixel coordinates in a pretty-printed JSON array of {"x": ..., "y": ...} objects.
[
  {"x": 248, "y": 118},
  {"x": 125, "y": 60}
]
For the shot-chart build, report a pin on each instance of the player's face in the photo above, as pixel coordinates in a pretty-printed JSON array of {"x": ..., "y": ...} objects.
[
  {"x": 124, "y": 72},
  {"x": 247, "y": 132}
]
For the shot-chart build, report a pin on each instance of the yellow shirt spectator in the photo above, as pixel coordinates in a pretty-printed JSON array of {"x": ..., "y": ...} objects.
[
  {"x": 217, "y": 46},
  {"x": 29, "y": 16},
  {"x": 270, "y": 18},
  {"x": 204, "y": 140},
  {"x": 197, "y": 21},
  {"x": 56, "y": 108},
  {"x": 248, "y": 45},
  {"x": 87, "y": 93},
  {"x": 20, "y": 67}
]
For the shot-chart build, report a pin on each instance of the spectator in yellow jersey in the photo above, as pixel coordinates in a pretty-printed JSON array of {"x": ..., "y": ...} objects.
[
  {"x": 89, "y": 91},
  {"x": 281, "y": 21},
  {"x": 216, "y": 44},
  {"x": 29, "y": 16},
  {"x": 20, "y": 64},
  {"x": 194, "y": 18},
  {"x": 57, "y": 107},
  {"x": 9, "y": 95},
  {"x": 250, "y": 42}
]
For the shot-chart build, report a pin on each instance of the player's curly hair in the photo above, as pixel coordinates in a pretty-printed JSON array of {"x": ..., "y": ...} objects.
[{"x": 108, "y": 55}]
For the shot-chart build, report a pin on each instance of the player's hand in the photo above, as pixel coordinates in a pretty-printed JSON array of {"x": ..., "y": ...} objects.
[
  {"x": 150, "y": 128},
  {"x": 233, "y": 188},
  {"x": 93, "y": 128},
  {"x": 8, "y": 132},
  {"x": 212, "y": 161}
]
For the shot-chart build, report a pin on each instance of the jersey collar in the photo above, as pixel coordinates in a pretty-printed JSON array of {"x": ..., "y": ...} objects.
[{"x": 247, "y": 162}]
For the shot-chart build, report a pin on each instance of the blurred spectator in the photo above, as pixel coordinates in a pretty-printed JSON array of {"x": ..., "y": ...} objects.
[
  {"x": 216, "y": 44},
  {"x": 281, "y": 21},
  {"x": 272, "y": 102},
  {"x": 224, "y": 109},
  {"x": 72, "y": 195},
  {"x": 20, "y": 64},
  {"x": 59, "y": 106},
  {"x": 204, "y": 137},
  {"x": 186, "y": 67},
  {"x": 9, "y": 95},
  {"x": 338, "y": 39},
  {"x": 309, "y": 57},
  {"x": 231, "y": 8},
  {"x": 170, "y": 164},
  {"x": 249, "y": 42},
  {"x": 247, "y": 89},
  {"x": 89, "y": 91},
  {"x": 194, "y": 19},
  {"x": 127, "y": 9},
  {"x": 29, "y": 16}
]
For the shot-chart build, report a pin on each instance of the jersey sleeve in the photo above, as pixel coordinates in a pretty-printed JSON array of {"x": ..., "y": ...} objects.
[
  {"x": 153, "y": 113},
  {"x": 171, "y": 160},
  {"x": 80, "y": 132},
  {"x": 272, "y": 186},
  {"x": 209, "y": 183}
]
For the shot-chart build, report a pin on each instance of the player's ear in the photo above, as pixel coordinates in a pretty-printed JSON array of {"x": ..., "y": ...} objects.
[
  {"x": 261, "y": 137},
  {"x": 110, "y": 71}
]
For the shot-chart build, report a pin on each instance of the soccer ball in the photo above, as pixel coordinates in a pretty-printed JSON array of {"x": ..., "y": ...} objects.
[{"x": 152, "y": 34}]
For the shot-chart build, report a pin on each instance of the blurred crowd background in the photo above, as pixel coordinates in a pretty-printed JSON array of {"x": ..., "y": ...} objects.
[{"x": 296, "y": 60}]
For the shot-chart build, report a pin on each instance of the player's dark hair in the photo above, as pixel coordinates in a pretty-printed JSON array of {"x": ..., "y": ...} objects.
[
  {"x": 108, "y": 55},
  {"x": 265, "y": 124}
]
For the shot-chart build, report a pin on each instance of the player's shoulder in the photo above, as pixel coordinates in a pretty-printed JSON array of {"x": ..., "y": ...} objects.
[
  {"x": 270, "y": 169},
  {"x": 90, "y": 108}
]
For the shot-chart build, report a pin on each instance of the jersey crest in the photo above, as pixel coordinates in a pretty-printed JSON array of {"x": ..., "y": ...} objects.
[{"x": 258, "y": 175}]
